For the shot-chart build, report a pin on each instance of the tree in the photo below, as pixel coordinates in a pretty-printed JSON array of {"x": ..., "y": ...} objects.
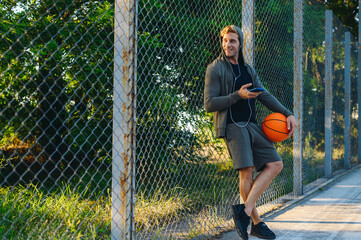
[
  {"x": 346, "y": 11},
  {"x": 176, "y": 41},
  {"x": 57, "y": 77}
]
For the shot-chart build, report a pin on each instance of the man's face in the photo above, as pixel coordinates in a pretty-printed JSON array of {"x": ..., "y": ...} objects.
[{"x": 231, "y": 45}]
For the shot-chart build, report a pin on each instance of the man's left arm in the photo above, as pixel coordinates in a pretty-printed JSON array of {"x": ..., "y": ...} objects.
[{"x": 270, "y": 102}]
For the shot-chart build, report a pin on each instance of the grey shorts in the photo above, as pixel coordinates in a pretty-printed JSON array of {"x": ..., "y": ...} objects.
[{"x": 248, "y": 146}]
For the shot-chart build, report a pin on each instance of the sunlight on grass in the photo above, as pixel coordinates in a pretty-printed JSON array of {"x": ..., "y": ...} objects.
[
  {"x": 84, "y": 212},
  {"x": 207, "y": 220},
  {"x": 28, "y": 213},
  {"x": 160, "y": 209}
]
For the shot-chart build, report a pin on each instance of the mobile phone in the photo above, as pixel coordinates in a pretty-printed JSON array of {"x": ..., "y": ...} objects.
[{"x": 257, "y": 90}]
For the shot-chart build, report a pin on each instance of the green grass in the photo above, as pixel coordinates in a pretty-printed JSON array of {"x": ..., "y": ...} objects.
[
  {"x": 160, "y": 209},
  {"x": 199, "y": 191},
  {"x": 30, "y": 213},
  {"x": 80, "y": 208},
  {"x": 78, "y": 205}
]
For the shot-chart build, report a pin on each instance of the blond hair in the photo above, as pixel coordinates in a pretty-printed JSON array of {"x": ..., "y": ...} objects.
[{"x": 230, "y": 29}]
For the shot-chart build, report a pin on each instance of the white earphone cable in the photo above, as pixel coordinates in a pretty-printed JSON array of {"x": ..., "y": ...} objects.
[{"x": 249, "y": 105}]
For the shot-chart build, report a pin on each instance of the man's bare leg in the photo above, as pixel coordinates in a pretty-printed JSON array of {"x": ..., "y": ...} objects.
[
  {"x": 245, "y": 185},
  {"x": 260, "y": 184}
]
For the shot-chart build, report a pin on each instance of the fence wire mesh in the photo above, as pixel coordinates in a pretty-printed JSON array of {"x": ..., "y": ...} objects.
[
  {"x": 56, "y": 114},
  {"x": 184, "y": 163},
  {"x": 313, "y": 92},
  {"x": 338, "y": 93},
  {"x": 354, "y": 105},
  {"x": 274, "y": 65},
  {"x": 56, "y": 121}
]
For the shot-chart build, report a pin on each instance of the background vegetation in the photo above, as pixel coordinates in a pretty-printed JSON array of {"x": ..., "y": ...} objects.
[{"x": 56, "y": 83}]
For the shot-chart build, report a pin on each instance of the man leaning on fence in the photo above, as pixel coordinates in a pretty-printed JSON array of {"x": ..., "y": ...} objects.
[{"x": 226, "y": 94}]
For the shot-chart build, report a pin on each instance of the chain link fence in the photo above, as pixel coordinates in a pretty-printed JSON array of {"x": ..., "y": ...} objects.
[
  {"x": 354, "y": 106},
  {"x": 338, "y": 93},
  {"x": 56, "y": 83},
  {"x": 66, "y": 122},
  {"x": 314, "y": 93}
]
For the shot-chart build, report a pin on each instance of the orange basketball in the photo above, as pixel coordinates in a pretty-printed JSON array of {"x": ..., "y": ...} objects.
[{"x": 274, "y": 126}]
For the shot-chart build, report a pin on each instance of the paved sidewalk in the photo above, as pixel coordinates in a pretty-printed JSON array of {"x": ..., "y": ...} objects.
[{"x": 333, "y": 212}]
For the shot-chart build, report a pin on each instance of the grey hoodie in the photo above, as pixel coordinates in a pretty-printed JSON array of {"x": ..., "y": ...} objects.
[{"x": 219, "y": 94}]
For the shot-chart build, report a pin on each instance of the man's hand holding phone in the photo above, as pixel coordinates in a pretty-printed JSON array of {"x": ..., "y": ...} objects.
[{"x": 245, "y": 93}]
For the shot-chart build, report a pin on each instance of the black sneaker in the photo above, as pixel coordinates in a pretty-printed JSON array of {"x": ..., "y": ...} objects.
[
  {"x": 262, "y": 231},
  {"x": 241, "y": 220}
]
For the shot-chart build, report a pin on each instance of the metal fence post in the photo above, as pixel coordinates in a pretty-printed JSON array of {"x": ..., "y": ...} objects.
[
  {"x": 328, "y": 94},
  {"x": 359, "y": 89},
  {"x": 248, "y": 34},
  {"x": 123, "y": 150},
  {"x": 298, "y": 95},
  {"x": 248, "y": 30},
  {"x": 347, "y": 99}
]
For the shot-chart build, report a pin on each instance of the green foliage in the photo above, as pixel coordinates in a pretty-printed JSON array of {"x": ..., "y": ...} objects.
[
  {"x": 346, "y": 11},
  {"x": 162, "y": 208},
  {"x": 313, "y": 74},
  {"x": 57, "y": 69},
  {"x": 176, "y": 41},
  {"x": 32, "y": 213},
  {"x": 313, "y": 160}
]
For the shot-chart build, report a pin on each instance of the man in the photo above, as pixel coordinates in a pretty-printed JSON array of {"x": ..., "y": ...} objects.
[{"x": 226, "y": 94}]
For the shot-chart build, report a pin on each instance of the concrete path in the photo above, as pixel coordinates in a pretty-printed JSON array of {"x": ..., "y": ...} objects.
[{"x": 333, "y": 212}]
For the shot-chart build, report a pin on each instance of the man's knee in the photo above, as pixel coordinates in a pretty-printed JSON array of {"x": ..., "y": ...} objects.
[{"x": 275, "y": 166}]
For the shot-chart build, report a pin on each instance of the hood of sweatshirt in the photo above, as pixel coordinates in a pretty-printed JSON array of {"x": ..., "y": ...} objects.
[{"x": 240, "y": 55}]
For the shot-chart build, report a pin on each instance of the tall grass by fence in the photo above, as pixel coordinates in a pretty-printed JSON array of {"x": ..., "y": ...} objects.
[{"x": 102, "y": 128}]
